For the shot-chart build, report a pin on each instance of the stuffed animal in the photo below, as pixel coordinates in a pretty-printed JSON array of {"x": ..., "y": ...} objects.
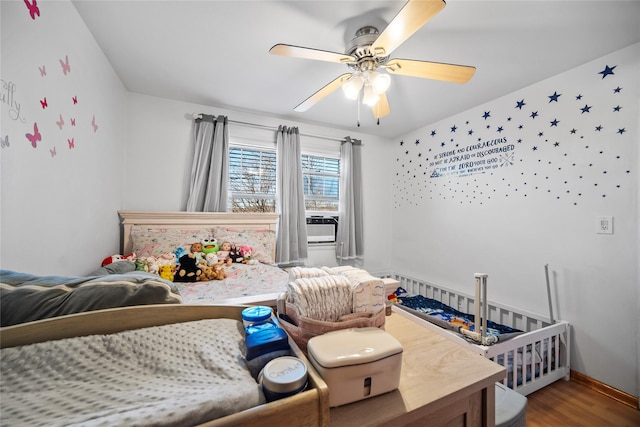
[
  {"x": 212, "y": 272},
  {"x": 114, "y": 258},
  {"x": 142, "y": 265},
  {"x": 179, "y": 252},
  {"x": 234, "y": 254},
  {"x": 196, "y": 249},
  {"x": 246, "y": 252},
  {"x": 189, "y": 270},
  {"x": 209, "y": 245},
  {"x": 223, "y": 253},
  {"x": 211, "y": 258},
  {"x": 166, "y": 272}
]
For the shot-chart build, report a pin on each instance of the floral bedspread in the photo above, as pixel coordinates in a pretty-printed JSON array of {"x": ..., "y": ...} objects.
[{"x": 242, "y": 280}]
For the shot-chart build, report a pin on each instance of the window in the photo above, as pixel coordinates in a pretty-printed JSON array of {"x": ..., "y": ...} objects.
[
  {"x": 252, "y": 181},
  {"x": 321, "y": 179}
]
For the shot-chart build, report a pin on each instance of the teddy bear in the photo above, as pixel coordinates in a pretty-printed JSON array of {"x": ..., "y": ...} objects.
[
  {"x": 212, "y": 272},
  {"x": 189, "y": 270},
  {"x": 166, "y": 272}
]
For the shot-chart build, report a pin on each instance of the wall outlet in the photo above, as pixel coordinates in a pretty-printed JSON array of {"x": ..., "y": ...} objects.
[{"x": 604, "y": 225}]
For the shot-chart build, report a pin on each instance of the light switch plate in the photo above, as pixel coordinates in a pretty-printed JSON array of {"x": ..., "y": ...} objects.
[{"x": 604, "y": 225}]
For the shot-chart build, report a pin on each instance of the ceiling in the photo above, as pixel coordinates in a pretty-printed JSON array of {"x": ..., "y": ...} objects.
[{"x": 216, "y": 53}]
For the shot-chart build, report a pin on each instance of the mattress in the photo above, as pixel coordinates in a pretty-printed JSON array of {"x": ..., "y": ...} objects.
[{"x": 179, "y": 374}]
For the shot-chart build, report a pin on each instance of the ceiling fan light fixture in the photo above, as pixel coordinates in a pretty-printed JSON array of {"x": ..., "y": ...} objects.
[
  {"x": 370, "y": 98},
  {"x": 351, "y": 88},
  {"x": 380, "y": 82}
]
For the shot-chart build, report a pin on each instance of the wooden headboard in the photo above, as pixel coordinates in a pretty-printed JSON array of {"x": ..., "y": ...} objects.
[{"x": 178, "y": 220}]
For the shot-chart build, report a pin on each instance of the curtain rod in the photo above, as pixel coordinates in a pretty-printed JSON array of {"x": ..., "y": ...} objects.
[{"x": 255, "y": 125}]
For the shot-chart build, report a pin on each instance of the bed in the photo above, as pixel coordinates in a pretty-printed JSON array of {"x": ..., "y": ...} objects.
[
  {"x": 47, "y": 393},
  {"x": 536, "y": 353},
  {"x": 148, "y": 233}
]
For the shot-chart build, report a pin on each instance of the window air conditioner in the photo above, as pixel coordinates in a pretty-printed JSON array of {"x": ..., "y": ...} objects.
[{"x": 322, "y": 229}]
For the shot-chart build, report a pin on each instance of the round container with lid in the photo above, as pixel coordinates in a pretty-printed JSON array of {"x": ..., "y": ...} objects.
[
  {"x": 257, "y": 318},
  {"x": 282, "y": 377}
]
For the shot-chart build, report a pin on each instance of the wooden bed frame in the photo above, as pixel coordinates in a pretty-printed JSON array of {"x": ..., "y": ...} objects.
[
  {"x": 540, "y": 332},
  {"x": 308, "y": 408}
]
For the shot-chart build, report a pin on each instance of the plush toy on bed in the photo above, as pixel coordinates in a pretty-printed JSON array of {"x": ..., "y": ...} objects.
[
  {"x": 234, "y": 254},
  {"x": 114, "y": 258},
  {"x": 246, "y": 252},
  {"x": 189, "y": 270},
  {"x": 212, "y": 272},
  {"x": 166, "y": 272},
  {"x": 210, "y": 245},
  {"x": 223, "y": 253}
]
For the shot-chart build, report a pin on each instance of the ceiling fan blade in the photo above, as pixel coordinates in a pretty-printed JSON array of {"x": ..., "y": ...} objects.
[
  {"x": 381, "y": 108},
  {"x": 319, "y": 95},
  {"x": 308, "y": 53},
  {"x": 431, "y": 70},
  {"x": 411, "y": 17}
]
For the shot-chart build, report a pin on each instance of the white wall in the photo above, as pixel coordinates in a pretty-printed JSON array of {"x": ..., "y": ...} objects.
[
  {"x": 159, "y": 155},
  {"x": 536, "y": 204},
  {"x": 59, "y": 198}
]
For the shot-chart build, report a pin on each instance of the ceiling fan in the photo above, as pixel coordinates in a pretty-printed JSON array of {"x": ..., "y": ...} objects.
[{"x": 369, "y": 52}]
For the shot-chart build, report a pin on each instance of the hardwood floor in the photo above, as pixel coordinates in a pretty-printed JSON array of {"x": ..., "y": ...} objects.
[{"x": 569, "y": 404}]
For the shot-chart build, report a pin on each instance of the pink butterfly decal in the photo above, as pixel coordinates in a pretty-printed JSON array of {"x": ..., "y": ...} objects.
[
  {"x": 53, "y": 152},
  {"x": 43, "y": 102},
  {"x": 61, "y": 122},
  {"x": 35, "y": 137},
  {"x": 72, "y": 143},
  {"x": 73, "y": 122},
  {"x": 75, "y": 99},
  {"x": 93, "y": 123},
  {"x": 4, "y": 141},
  {"x": 65, "y": 65},
  {"x": 33, "y": 8},
  {"x": 43, "y": 71}
]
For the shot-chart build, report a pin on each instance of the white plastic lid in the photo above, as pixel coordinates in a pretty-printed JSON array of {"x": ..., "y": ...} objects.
[
  {"x": 284, "y": 374},
  {"x": 352, "y": 347}
]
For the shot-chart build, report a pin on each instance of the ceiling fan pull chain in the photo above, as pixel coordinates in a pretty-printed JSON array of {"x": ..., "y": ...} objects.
[{"x": 358, "y": 104}]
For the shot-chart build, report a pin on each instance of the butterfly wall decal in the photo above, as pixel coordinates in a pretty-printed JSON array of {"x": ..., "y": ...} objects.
[
  {"x": 93, "y": 123},
  {"x": 33, "y": 8},
  {"x": 60, "y": 123},
  {"x": 43, "y": 71},
  {"x": 72, "y": 143},
  {"x": 35, "y": 137},
  {"x": 53, "y": 152},
  {"x": 66, "y": 68},
  {"x": 4, "y": 141},
  {"x": 75, "y": 99},
  {"x": 43, "y": 103}
]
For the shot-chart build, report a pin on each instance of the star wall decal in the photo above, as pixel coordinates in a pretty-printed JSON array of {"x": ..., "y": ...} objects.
[
  {"x": 586, "y": 109},
  {"x": 534, "y": 115},
  {"x": 520, "y": 104},
  {"x": 554, "y": 97},
  {"x": 486, "y": 115},
  {"x": 607, "y": 71}
]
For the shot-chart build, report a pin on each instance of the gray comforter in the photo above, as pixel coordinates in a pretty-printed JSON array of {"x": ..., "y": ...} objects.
[{"x": 25, "y": 297}]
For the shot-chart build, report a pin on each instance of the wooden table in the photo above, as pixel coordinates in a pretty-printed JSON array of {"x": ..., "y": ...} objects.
[{"x": 441, "y": 384}]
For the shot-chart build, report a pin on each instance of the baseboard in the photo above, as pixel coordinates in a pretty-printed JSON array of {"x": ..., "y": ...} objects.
[{"x": 605, "y": 389}]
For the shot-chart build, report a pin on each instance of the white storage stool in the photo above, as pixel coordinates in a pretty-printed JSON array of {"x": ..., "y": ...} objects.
[{"x": 511, "y": 407}]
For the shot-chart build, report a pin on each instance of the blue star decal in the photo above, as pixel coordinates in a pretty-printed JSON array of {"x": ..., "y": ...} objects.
[
  {"x": 621, "y": 131},
  {"x": 607, "y": 70},
  {"x": 535, "y": 148},
  {"x": 520, "y": 104},
  {"x": 433, "y": 133},
  {"x": 499, "y": 130},
  {"x": 617, "y": 108},
  {"x": 555, "y": 122},
  {"x": 534, "y": 114},
  {"x": 486, "y": 115},
  {"x": 442, "y": 144},
  {"x": 470, "y": 132},
  {"x": 573, "y": 131},
  {"x": 406, "y": 152},
  {"x": 453, "y": 128},
  {"x": 554, "y": 97},
  {"x": 417, "y": 141},
  {"x": 599, "y": 128},
  {"x": 617, "y": 90},
  {"x": 556, "y": 144},
  {"x": 401, "y": 143},
  {"x": 579, "y": 97},
  {"x": 586, "y": 109}
]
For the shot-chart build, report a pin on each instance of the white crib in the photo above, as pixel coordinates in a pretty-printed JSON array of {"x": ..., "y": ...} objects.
[{"x": 533, "y": 360}]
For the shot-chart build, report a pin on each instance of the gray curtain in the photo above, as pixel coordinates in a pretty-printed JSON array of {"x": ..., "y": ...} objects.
[
  {"x": 210, "y": 168},
  {"x": 350, "y": 239},
  {"x": 291, "y": 239}
]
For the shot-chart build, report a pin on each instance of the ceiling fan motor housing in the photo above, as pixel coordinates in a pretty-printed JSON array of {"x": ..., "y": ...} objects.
[{"x": 360, "y": 48}]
